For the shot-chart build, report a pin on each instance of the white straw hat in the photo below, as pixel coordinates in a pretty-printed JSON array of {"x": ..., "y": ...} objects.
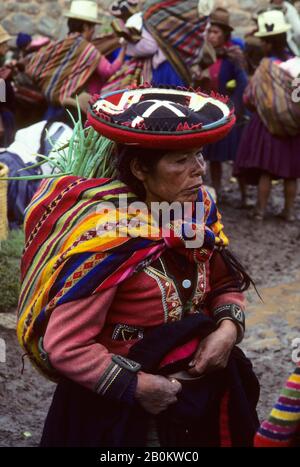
[
  {"x": 86, "y": 10},
  {"x": 271, "y": 23},
  {"x": 4, "y": 36}
]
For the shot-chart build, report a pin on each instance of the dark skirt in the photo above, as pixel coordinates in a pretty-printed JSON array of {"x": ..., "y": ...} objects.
[
  {"x": 226, "y": 149},
  {"x": 218, "y": 410},
  {"x": 260, "y": 151}
]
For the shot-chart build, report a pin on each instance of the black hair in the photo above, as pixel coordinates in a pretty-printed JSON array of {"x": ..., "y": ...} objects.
[
  {"x": 279, "y": 45},
  {"x": 148, "y": 159},
  {"x": 77, "y": 25},
  {"x": 240, "y": 279}
]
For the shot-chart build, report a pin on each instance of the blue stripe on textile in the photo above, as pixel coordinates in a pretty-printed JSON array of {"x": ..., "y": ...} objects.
[
  {"x": 270, "y": 434},
  {"x": 287, "y": 408},
  {"x": 68, "y": 269},
  {"x": 99, "y": 273},
  {"x": 108, "y": 265},
  {"x": 87, "y": 284},
  {"x": 188, "y": 34}
]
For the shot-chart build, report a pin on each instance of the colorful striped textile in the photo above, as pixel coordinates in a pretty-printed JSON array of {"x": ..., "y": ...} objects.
[
  {"x": 62, "y": 68},
  {"x": 71, "y": 253},
  {"x": 133, "y": 72},
  {"x": 271, "y": 92},
  {"x": 178, "y": 30},
  {"x": 282, "y": 428}
]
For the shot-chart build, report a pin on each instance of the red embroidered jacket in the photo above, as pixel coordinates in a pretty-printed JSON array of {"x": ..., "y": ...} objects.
[{"x": 83, "y": 336}]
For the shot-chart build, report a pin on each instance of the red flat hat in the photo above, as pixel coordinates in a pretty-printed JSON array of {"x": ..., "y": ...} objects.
[{"x": 161, "y": 118}]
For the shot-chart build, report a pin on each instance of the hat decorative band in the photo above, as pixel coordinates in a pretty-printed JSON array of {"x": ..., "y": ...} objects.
[{"x": 161, "y": 118}]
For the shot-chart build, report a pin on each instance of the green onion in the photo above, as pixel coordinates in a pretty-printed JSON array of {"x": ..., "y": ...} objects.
[{"x": 87, "y": 154}]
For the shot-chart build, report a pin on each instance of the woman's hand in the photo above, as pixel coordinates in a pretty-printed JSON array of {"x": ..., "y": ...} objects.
[
  {"x": 213, "y": 352},
  {"x": 155, "y": 393}
]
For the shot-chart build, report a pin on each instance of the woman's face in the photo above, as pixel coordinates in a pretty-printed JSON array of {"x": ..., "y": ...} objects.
[
  {"x": 88, "y": 31},
  {"x": 266, "y": 47},
  {"x": 177, "y": 177},
  {"x": 216, "y": 36}
]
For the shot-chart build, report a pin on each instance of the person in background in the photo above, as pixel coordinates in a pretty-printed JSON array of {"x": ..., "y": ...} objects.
[
  {"x": 226, "y": 76},
  {"x": 293, "y": 19},
  {"x": 7, "y": 96},
  {"x": 65, "y": 68},
  {"x": 269, "y": 148},
  {"x": 167, "y": 46}
]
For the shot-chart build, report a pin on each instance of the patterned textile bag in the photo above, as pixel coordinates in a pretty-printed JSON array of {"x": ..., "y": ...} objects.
[
  {"x": 271, "y": 92},
  {"x": 134, "y": 71},
  {"x": 178, "y": 28},
  {"x": 62, "y": 68}
]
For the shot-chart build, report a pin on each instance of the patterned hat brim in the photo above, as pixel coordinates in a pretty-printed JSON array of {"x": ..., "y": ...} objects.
[
  {"x": 162, "y": 140},
  {"x": 104, "y": 113}
]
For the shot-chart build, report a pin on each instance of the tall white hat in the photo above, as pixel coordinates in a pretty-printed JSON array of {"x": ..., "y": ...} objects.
[
  {"x": 86, "y": 10},
  {"x": 271, "y": 23}
]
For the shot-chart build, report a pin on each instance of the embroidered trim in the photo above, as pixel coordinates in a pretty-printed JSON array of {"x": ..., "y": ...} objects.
[
  {"x": 155, "y": 276},
  {"x": 232, "y": 312},
  {"x": 117, "y": 377},
  {"x": 106, "y": 377},
  {"x": 120, "y": 330},
  {"x": 200, "y": 292},
  {"x": 126, "y": 363}
]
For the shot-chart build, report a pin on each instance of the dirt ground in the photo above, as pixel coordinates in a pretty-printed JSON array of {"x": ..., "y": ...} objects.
[{"x": 270, "y": 249}]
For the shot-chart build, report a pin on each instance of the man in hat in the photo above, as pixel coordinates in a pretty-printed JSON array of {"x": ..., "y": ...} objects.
[{"x": 64, "y": 68}]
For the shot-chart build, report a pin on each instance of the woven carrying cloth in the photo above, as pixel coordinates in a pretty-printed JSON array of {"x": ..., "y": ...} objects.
[
  {"x": 62, "y": 68},
  {"x": 271, "y": 91},
  {"x": 65, "y": 258},
  {"x": 179, "y": 29},
  {"x": 161, "y": 118}
]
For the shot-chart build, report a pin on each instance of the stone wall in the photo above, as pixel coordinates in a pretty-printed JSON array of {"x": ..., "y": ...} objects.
[
  {"x": 45, "y": 16},
  {"x": 38, "y": 17}
]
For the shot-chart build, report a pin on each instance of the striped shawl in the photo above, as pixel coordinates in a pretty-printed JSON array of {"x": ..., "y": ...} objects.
[
  {"x": 179, "y": 32},
  {"x": 62, "y": 68}
]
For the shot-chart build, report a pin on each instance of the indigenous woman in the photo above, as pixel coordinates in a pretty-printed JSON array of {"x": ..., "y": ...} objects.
[
  {"x": 270, "y": 146},
  {"x": 135, "y": 310},
  {"x": 228, "y": 68}
]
